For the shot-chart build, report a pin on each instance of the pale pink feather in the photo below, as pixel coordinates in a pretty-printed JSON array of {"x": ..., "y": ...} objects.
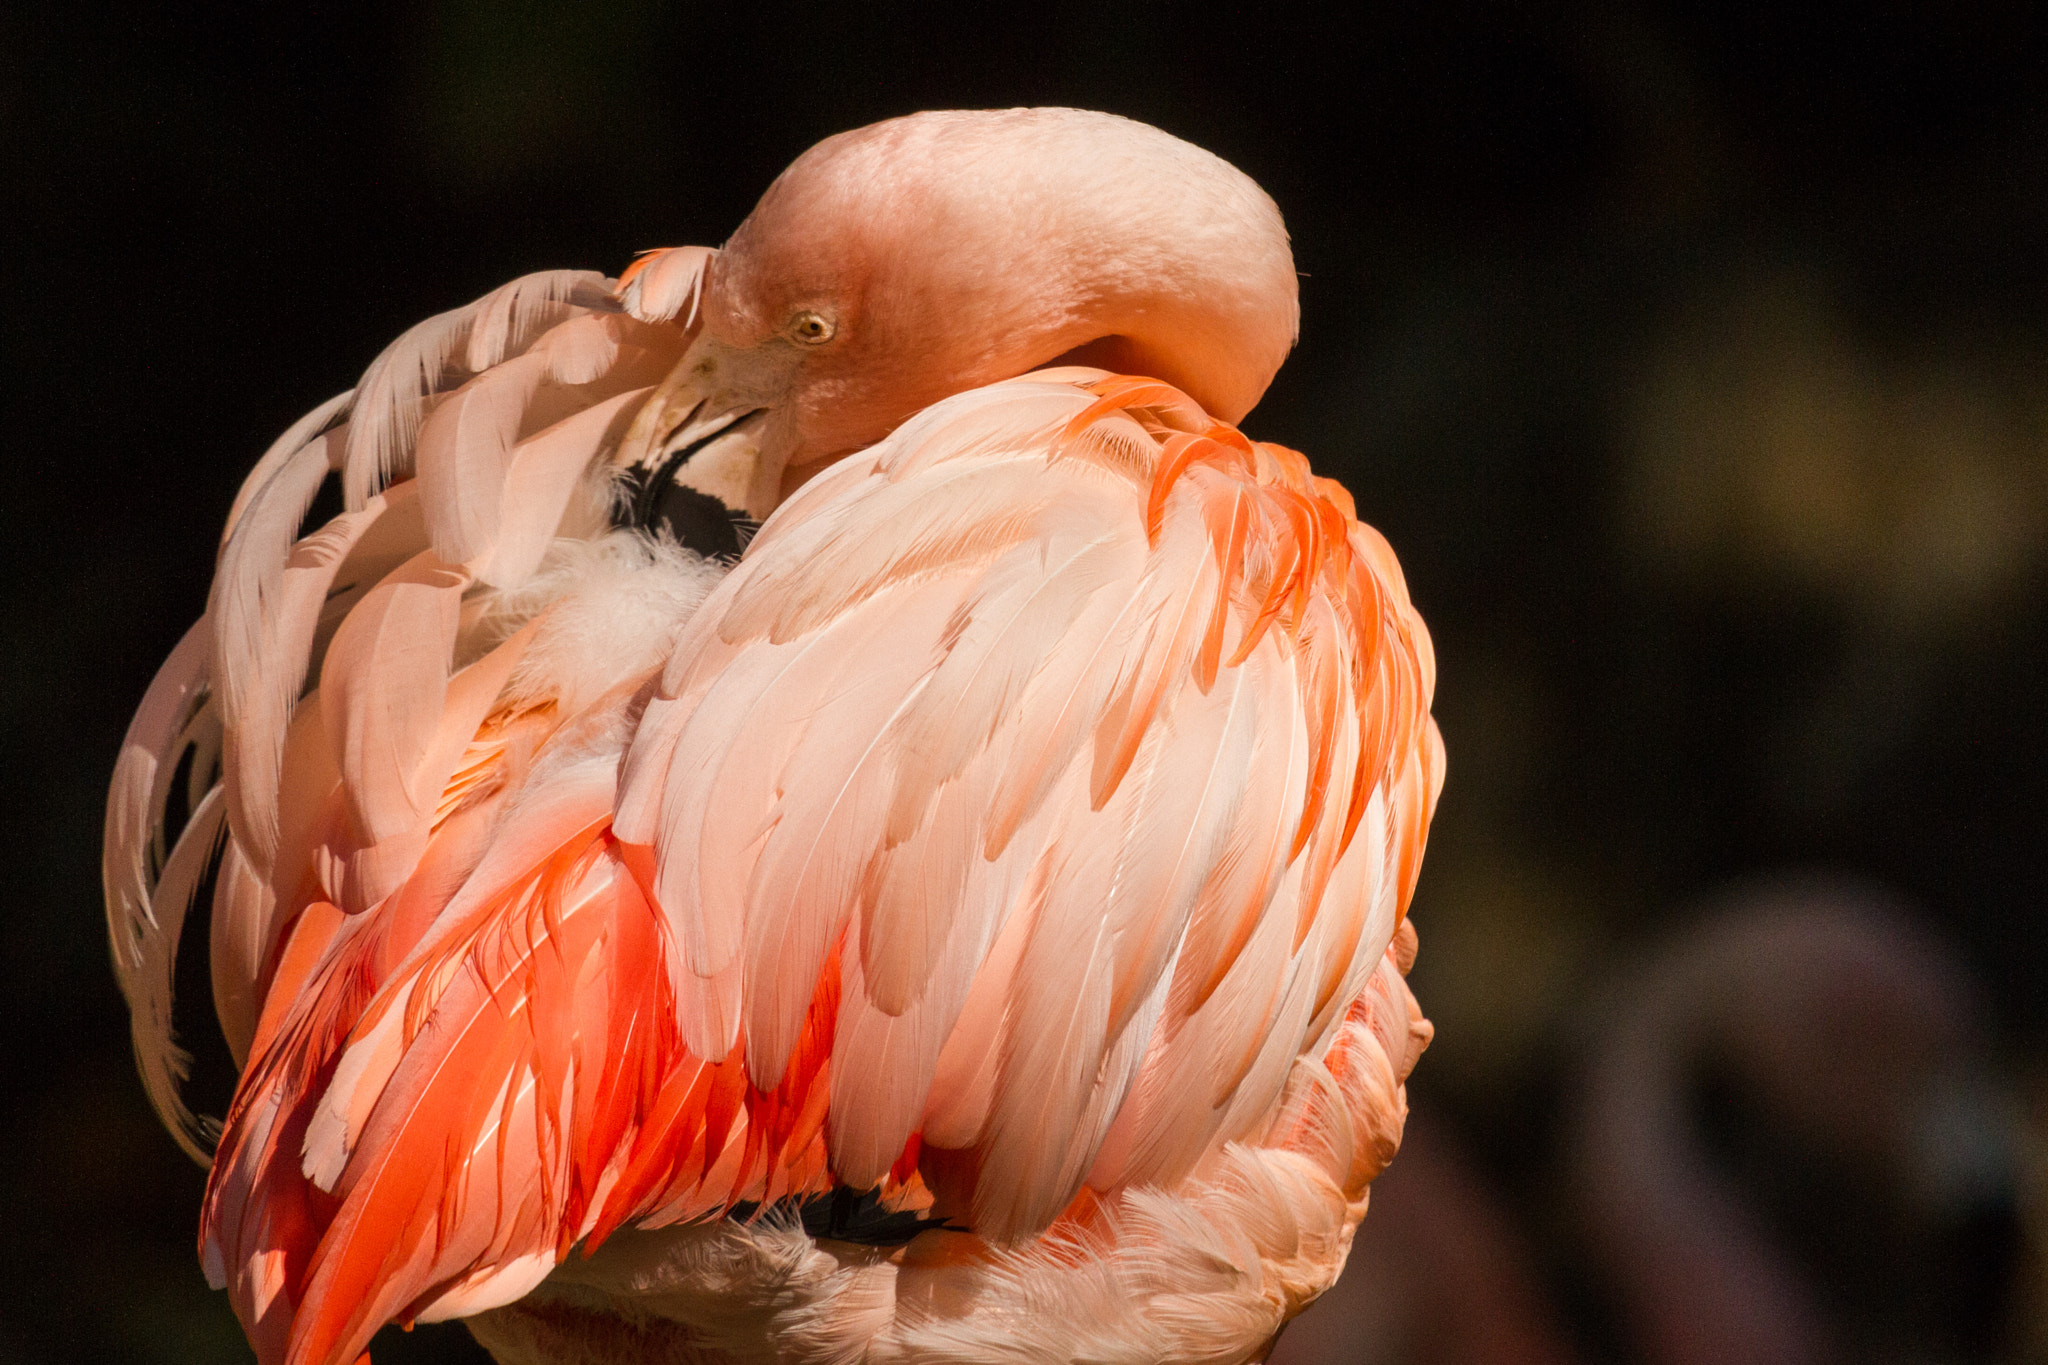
[
  {"x": 269, "y": 595},
  {"x": 145, "y": 907},
  {"x": 542, "y": 476},
  {"x": 383, "y": 685},
  {"x": 666, "y": 284},
  {"x": 244, "y": 932},
  {"x": 391, "y": 399}
]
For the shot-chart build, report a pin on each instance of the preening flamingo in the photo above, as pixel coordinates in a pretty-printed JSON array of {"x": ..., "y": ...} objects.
[{"x": 968, "y": 926}]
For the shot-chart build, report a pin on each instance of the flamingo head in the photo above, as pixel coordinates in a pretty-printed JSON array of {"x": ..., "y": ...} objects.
[{"x": 892, "y": 266}]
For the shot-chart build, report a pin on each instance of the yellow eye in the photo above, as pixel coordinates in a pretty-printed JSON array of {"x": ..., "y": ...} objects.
[{"x": 811, "y": 329}]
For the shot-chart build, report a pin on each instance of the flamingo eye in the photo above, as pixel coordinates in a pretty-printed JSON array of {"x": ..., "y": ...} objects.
[{"x": 811, "y": 329}]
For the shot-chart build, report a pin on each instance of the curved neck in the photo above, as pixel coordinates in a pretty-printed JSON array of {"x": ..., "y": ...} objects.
[{"x": 1700, "y": 1279}]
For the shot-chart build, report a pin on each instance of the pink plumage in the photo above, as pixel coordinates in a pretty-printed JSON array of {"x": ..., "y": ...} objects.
[{"x": 969, "y": 922}]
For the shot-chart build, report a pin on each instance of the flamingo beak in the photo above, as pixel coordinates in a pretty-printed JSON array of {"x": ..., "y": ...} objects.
[{"x": 710, "y": 431}]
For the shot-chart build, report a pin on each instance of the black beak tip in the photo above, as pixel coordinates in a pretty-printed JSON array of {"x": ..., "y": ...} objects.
[{"x": 693, "y": 519}]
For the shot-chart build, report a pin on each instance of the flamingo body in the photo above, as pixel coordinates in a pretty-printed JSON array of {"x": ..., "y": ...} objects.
[{"x": 972, "y": 924}]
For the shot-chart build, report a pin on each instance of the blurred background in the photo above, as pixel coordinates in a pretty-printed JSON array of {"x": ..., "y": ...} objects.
[{"x": 1694, "y": 359}]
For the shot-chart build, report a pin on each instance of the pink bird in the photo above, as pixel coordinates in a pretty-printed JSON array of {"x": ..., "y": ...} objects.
[
  {"x": 1851, "y": 1030},
  {"x": 966, "y": 924}
]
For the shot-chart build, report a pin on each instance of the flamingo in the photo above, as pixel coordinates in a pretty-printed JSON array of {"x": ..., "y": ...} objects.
[
  {"x": 1855, "y": 1031},
  {"x": 963, "y": 918}
]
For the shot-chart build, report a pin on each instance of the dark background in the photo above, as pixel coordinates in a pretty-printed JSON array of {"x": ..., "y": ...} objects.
[{"x": 1695, "y": 361}]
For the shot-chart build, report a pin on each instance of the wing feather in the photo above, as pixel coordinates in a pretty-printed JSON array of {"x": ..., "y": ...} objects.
[
  {"x": 1001, "y": 637},
  {"x": 392, "y": 398},
  {"x": 886, "y": 1059},
  {"x": 710, "y": 816},
  {"x": 148, "y": 871},
  {"x": 542, "y": 477},
  {"x": 816, "y": 864},
  {"x": 384, "y": 684},
  {"x": 1074, "y": 750},
  {"x": 164, "y": 1065},
  {"x": 270, "y": 605},
  {"x": 666, "y": 284},
  {"x": 178, "y": 700},
  {"x": 314, "y": 425},
  {"x": 244, "y": 932},
  {"x": 542, "y": 418}
]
